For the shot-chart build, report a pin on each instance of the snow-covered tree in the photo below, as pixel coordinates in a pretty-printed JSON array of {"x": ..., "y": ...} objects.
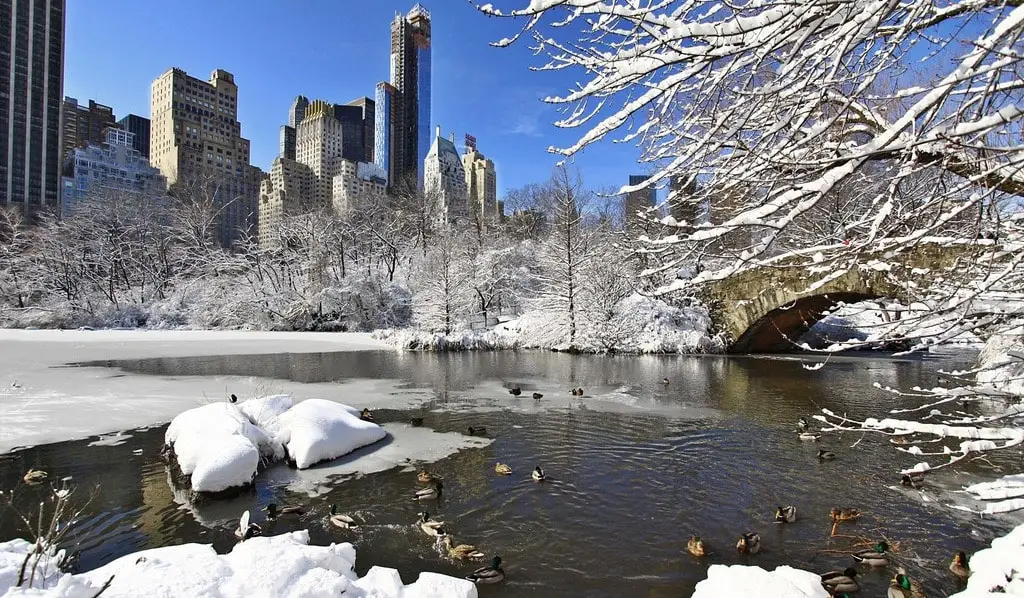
[
  {"x": 783, "y": 108},
  {"x": 444, "y": 296}
]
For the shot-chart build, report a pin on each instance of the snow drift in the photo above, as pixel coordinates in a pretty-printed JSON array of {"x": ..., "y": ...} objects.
[
  {"x": 316, "y": 430},
  {"x": 220, "y": 446},
  {"x": 284, "y": 566},
  {"x": 743, "y": 580}
]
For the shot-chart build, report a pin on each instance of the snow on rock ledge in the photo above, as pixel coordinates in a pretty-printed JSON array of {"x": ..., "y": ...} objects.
[
  {"x": 316, "y": 430},
  {"x": 283, "y": 566},
  {"x": 998, "y": 566},
  {"x": 743, "y": 580}
]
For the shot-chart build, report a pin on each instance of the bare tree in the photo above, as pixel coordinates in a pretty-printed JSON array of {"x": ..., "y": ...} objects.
[{"x": 444, "y": 297}]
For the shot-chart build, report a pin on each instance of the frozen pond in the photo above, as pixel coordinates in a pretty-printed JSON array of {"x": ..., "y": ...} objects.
[{"x": 636, "y": 466}]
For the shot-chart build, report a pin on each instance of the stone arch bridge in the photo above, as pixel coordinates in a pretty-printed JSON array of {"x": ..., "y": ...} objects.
[{"x": 766, "y": 309}]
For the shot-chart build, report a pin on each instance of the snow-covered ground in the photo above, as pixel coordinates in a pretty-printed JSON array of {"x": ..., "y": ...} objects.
[
  {"x": 744, "y": 580},
  {"x": 1002, "y": 565},
  {"x": 41, "y": 401},
  {"x": 272, "y": 567}
]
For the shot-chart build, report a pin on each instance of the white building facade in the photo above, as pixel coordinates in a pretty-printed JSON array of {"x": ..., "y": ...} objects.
[
  {"x": 444, "y": 180},
  {"x": 113, "y": 167}
]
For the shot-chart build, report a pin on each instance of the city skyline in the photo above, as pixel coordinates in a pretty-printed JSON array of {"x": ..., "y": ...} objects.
[{"x": 512, "y": 124}]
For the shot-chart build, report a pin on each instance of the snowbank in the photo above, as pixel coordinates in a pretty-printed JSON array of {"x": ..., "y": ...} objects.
[
  {"x": 218, "y": 447},
  {"x": 637, "y": 324},
  {"x": 12, "y": 556},
  {"x": 998, "y": 566},
  {"x": 743, "y": 580},
  {"x": 316, "y": 430},
  {"x": 278, "y": 566}
]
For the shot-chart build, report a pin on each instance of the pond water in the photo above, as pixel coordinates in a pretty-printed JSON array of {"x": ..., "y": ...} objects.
[{"x": 636, "y": 468}]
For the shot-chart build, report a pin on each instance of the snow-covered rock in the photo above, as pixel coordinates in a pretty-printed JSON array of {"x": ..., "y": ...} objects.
[
  {"x": 317, "y": 429},
  {"x": 264, "y": 411},
  {"x": 218, "y": 446},
  {"x": 263, "y": 567},
  {"x": 743, "y": 580},
  {"x": 1001, "y": 362},
  {"x": 998, "y": 566}
]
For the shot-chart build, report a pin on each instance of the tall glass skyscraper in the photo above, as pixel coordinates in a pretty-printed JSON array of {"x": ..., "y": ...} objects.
[{"x": 405, "y": 129}]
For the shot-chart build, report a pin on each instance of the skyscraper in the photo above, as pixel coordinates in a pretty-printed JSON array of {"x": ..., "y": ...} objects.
[
  {"x": 680, "y": 205},
  {"x": 445, "y": 180},
  {"x": 386, "y": 115},
  {"x": 410, "y": 134},
  {"x": 481, "y": 185},
  {"x": 196, "y": 142},
  {"x": 139, "y": 127},
  {"x": 295, "y": 115},
  {"x": 84, "y": 124},
  {"x": 318, "y": 145},
  {"x": 31, "y": 91},
  {"x": 637, "y": 201}
]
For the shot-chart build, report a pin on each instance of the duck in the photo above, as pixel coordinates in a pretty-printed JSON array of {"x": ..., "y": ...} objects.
[
  {"x": 902, "y": 587},
  {"x": 826, "y": 455},
  {"x": 749, "y": 543},
  {"x": 696, "y": 546},
  {"x": 912, "y": 479},
  {"x": 416, "y": 422},
  {"x": 461, "y": 551},
  {"x": 841, "y": 581},
  {"x": 959, "y": 566},
  {"x": 246, "y": 529},
  {"x": 34, "y": 477},
  {"x": 432, "y": 492},
  {"x": 538, "y": 474},
  {"x": 785, "y": 514},
  {"x": 875, "y": 557},
  {"x": 503, "y": 469},
  {"x": 477, "y": 430},
  {"x": 664, "y": 381},
  {"x": 802, "y": 424},
  {"x": 425, "y": 477},
  {"x": 430, "y": 527},
  {"x": 577, "y": 392},
  {"x": 233, "y": 399},
  {"x": 492, "y": 574},
  {"x": 842, "y": 514},
  {"x": 273, "y": 512},
  {"x": 515, "y": 391},
  {"x": 342, "y": 521},
  {"x": 810, "y": 436},
  {"x": 538, "y": 396},
  {"x": 365, "y": 415}
]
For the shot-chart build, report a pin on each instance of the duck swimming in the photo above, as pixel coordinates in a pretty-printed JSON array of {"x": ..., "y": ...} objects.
[
  {"x": 273, "y": 512},
  {"x": 785, "y": 514},
  {"x": 959, "y": 566},
  {"x": 826, "y": 455},
  {"x": 749, "y": 543},
  {"x": 425, "y": 477},
  {"x": 492, "y": 574},
  {"x": 477, "y": 430},
  {"x": 841, "y": 514},
  {"x": 432, "y": 492},
  {"x": 538, "y": 396},
  {"x": 515, "y": 391},
  {"x": 538, "y": 474},
  {"x": 461, "y": 551},
  {"x": 695, "y": 546},
  {"x": 342, "y": 521},
  {"x": 233, "y": 398},
  {"x": 365, "y": 415},
  {"x": 503, "y": 469},
  {"x": 875, "y": 557},
  {"x": 809, "y": 436},
  {"x": 912, "y": 479},
  {"x": 902, "y": 587},
  {"x": 841, "y": 581},
  {"x": 34, "y": 477},
  {"x": 432, "y": 528},
  {"x": 801, "y": 424}
]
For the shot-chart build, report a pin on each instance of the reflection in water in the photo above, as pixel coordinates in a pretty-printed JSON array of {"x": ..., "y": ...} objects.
[{"x": 636, "y": 468}]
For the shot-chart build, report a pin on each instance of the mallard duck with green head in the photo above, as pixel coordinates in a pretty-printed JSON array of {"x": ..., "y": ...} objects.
[
  {"x": 339, "y": 520},
  {"x": 274, "y": 511},
  {"x": 902, "y": 586},
  {"x": 877, "y": 556},
  {"x": 841, "y": 581},
  {"x": 785, "y": 514},
  {"x": 749, "y": 543},
  {"x": 461, "y": 551},
  {"x": 434, "y": 529},
  {"x": 485, "y": 575}
]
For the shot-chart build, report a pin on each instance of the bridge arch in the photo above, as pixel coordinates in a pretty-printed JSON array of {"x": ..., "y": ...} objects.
[{"x": 766, "y": 309}]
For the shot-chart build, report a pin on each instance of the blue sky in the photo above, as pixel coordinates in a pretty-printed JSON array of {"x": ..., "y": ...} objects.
[{"x": 335, "y": 50}]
